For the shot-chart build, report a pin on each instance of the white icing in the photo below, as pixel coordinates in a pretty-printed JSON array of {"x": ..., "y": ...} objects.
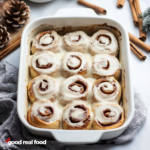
[
  {"x": 77, "y": 114},
  {"x": 47, "y": 94},
  {"x": 112, "y": 114},
  {"x": 104, "y": 40},
  {"x": 100, "y": 61},
  {"x": 42, "y": 109},
  {"x": 74, "y": 38},
  {"x": 46, "y": 39},
  {"x": 76, "y": 88},
  {"x": 115, "y": 109},
  {"x": 44, "y": 84},
  {"x": 107, "y": 86},
  {"x": 74, "y": 61},
  {"x": 103, "y": 45},
  {"x": 40, "y": 105},
  {"x": 67, "y": 95},
  {"x": 45, "y": 58},
  {"x": 76, "y": 41},
  {"x": 51, "y": 38}
]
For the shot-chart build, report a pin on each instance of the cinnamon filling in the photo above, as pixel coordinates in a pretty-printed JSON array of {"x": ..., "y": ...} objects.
[
  {"x": 105, "y": 91},
  {"x": 108, "y": 65},
  {"x": 108, "y": 91},
  {"x": 49, "y": 65},
  {"x": 46, "y": 111},
  {"x": 98, "y": 38},
  {"x": 78, "y": 87},
  {"x": 83, "y": 117},
  {"x": 74, "y": 62},
  {"x": 107, "y": 113},
  {"x": 110, "y": 123},
  {"x": 77, "y": 40},
  {"x": 48, "y": 43},
  {"x": 43, "y": 85}
]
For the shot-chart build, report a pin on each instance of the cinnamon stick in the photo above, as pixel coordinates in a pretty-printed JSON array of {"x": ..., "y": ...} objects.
[
  {"x": 134, "y": 15},
  {"x": 120, "y": 3},
  {"x": 97, "y": 9},
  {"x": 140, "y": 21},
  {"x": 15, "y": 43},
  {"x": 139, "y": 42},
  {"x": 137, "y": 52}
]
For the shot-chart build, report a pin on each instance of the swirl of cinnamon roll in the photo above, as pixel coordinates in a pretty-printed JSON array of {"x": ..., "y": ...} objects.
[
  {"x": 46, "y": 41},
  {"x": 76, "y": 116},
  {"x": 106, "y": 90},
  {"x": 42, "y": 87},
  {"x": 45, "y": 63},
  {"x": 74, "y": 63},
  {"x": 73, "y": 88},
  {"x": 76, "y": 41},
  {"x": 105, "y": 65},
  {"x": 104, "y": 42},
  {"x": 107, "y": 116},
  {"x": 44, "y": 114}
]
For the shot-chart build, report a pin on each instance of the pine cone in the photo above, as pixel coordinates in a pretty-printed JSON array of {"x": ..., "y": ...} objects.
[
  {"x": 4, "y": 36},
  {"x": 16, "y": 14}
]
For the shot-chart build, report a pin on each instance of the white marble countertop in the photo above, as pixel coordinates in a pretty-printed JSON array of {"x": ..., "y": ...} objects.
[{"x": 140, "y": 70}]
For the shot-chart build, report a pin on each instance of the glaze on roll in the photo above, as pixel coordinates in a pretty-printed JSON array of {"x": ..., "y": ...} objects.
[
  {"x": 46, "y": 41},
  {"x": 44, "y": 114},
  {"x": 76, "y": 116},
  {"x": 104, "y": 42},
  {"x": 74, "y": 63},
  {"x": 42, "y": 87},
  {"x": 76, "y": 41},
  {"x": 44, "y": 63},
  {"x": 73, "y": 88},
  {"x": 105, "y": 65},
  {"x": 106, "y": 90},
  {"x": 107, "y": 116}
]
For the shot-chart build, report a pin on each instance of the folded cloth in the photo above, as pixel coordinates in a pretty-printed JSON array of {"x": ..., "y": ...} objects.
[{"x": 11, "y": 127}]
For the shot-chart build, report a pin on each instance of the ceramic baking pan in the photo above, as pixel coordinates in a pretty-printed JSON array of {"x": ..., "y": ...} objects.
[{"x": 75, "y": 17}]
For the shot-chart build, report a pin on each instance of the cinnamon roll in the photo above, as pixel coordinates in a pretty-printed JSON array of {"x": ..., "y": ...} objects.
[
  {"x": 76, "y": 116},
  {"x": 46, "y": 41},
  {"x": 73, "y": 88},
  {"x": 74, "y": 63},
  {"x": 104, "y": 42},
  {"x": 42, "y": 87},
  {"x": 44, "y": 114},
  {"x": 105, "y": 65},
  {"x": 76, "y": 41},
  {"x": 45, "y": 63},
  {"x": 107, "y": 116},
  {"x": 106, "y": 90}
]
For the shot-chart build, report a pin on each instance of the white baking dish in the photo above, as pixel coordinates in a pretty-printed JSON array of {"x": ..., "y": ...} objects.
[{"x": 76, "y": 17}]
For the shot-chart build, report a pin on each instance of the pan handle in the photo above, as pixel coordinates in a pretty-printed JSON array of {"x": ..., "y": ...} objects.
[
  {"x": 77, "y": 136},
  {"x": 75, "y": 12}
]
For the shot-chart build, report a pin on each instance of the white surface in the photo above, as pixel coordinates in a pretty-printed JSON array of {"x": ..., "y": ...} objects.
[{"x": 140, "y": 70}]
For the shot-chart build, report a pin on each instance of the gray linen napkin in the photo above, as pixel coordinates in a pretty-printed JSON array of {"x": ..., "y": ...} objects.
[{"x": 11, "y": 127}]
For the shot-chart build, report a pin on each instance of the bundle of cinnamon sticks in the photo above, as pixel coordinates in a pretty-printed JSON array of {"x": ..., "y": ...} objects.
[
  {"x": 141, "y": 44},
  {"x": 15, "y": 43},
  {"x": 136, "y": 10}
]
